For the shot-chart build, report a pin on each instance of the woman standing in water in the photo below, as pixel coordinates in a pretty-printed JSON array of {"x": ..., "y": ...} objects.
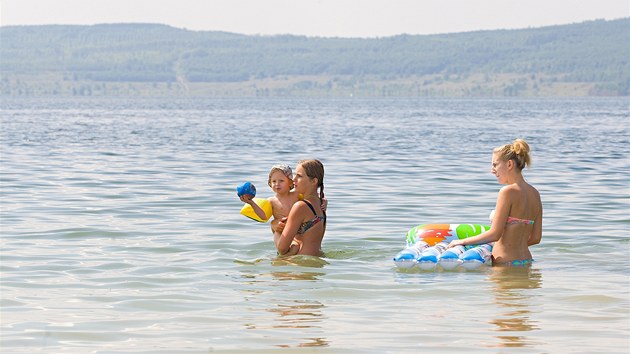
[
  {"x": 517, "y": 218},
  {"x": 304, "y": 228}
]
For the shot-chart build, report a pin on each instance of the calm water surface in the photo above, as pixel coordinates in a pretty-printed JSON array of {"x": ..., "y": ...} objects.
[{"x": 121, "y": 233}]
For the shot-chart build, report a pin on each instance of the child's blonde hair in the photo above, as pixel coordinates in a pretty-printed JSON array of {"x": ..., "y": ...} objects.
[{"x": 285, "y": 170}]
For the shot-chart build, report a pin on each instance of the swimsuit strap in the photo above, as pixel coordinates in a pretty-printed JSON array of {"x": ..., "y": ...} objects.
[
  {"x": 307, "y": 225},
  {"x": 310, "y": 206},
  {"x": 512, "y": 220},
  {"x": 314, "y": 213}
]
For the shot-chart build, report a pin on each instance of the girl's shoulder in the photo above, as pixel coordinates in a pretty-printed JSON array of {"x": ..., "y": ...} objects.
[
  {"x": 524, "y": 188},
  {"x": 510, "y": 192},
  {"x": 534, "y": 190},
  {"x": 509, "y": 189},
  {"x": 514, "y": 192}
]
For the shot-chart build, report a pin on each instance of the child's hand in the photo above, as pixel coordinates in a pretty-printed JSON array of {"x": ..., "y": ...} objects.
[
  {"x": 324, "y": 204},
  {"x": 247, "y": 198},
  {"x": 281, "y": 224}
]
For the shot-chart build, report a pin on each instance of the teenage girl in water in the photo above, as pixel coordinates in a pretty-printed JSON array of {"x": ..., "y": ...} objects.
[
  {"x": 303, "y": 230},
  {"x": 517, "y": 218}
]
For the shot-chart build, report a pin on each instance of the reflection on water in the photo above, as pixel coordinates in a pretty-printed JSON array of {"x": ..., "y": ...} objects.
[
  {"x": 302, "y": 261},
  {"x": 120, "y": 217},
  {"x": 296, "y": 275},
  {"x": 296, "y": 321},
  {"x": 511, "y": 285},
  {"x": 300, "y": 314}
]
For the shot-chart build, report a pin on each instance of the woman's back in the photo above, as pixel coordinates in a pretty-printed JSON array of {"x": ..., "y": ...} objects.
[
  {"x": 312, "y": 230},
  {"x": 523, "y": 219}
]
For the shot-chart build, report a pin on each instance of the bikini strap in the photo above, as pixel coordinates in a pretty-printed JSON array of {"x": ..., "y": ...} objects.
[{"x": 310, "y": 206}]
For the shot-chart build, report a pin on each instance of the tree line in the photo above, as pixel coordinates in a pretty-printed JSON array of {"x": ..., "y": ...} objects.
[{"x": 593, "y": 51}]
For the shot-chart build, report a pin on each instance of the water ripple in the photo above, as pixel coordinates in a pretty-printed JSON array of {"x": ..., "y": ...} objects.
[{"x": 121, "y": 232}]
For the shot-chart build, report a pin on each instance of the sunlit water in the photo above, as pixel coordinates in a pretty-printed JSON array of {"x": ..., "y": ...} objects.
[{"x": 121, "y": 230}]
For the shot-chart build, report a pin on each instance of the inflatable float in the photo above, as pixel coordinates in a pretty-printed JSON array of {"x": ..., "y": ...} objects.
[
  {"x": 248, "y": 188},
  {"x": 427, "y": 247},
  {"x": 264, "y": 204}
]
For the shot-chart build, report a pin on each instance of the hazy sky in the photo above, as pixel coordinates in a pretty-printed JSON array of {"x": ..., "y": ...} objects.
[{"x": 327, "y": 18}]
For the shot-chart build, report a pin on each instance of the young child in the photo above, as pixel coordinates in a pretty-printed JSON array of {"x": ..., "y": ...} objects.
[{"x": 281, "y": 182}]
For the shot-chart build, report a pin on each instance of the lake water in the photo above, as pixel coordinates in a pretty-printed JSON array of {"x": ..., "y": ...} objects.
[{"x": 121, "y": 230}]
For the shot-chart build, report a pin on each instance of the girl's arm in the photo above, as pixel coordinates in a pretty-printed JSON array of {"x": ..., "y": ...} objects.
[
  {"x": 294, "y": 248},
  {"x": 502, "y": 211},
  {"x": 324, "y": 207},
  {"x": 296, "y": 215},
  {"x": 324, "y": 204}
]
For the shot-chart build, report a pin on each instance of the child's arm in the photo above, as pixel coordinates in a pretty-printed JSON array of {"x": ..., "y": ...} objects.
[
  {"x": 247, "y": 198},
  {"x": 324, "y": 204}
]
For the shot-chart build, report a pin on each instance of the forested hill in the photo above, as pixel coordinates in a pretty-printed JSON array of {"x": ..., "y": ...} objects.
[{"x": 589, "y": 58}]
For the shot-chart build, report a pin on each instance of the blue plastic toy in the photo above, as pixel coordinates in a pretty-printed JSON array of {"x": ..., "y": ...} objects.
[{"x": 246, "y": 188}]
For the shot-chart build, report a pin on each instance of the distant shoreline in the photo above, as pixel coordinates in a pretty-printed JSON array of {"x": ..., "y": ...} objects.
[
  {"x": 478, "y": 85},
  {"x": 577, "y": 60}
]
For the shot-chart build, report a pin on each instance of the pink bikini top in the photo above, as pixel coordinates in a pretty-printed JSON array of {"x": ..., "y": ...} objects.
[{"x": 512, "y": 220}]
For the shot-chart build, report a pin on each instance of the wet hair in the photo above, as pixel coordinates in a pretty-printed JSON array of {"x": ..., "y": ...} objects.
[
  {"x": 517, "y": 151},
  {"x": 285, "y": 170},
  {"x": 315, "y": 169}
]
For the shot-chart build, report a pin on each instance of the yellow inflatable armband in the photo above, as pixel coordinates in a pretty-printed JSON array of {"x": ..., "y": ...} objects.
[{"x": 264, "y": 204}]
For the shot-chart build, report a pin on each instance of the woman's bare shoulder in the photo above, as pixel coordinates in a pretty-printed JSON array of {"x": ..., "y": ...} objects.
[{"x": 510, "y": 190}]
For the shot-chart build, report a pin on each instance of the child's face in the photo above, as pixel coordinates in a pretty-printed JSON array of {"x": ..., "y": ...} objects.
[{"x": 280, "y": 183}]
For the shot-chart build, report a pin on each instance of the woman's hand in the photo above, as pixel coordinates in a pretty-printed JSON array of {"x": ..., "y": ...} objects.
[{"x": 455, "y": 243}]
